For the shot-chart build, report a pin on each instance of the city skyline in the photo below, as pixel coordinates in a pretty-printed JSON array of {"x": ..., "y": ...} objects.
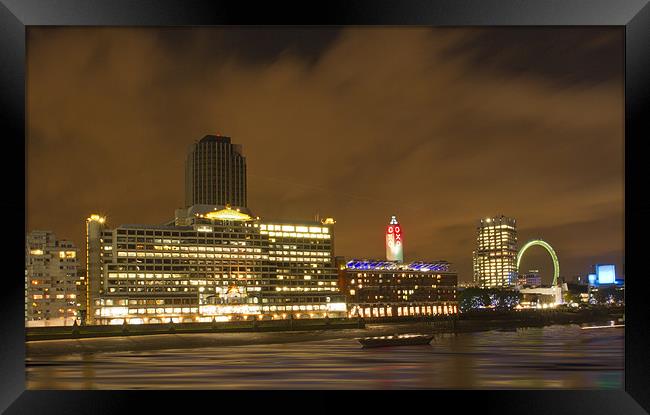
[{"x": 439, "y": 180}]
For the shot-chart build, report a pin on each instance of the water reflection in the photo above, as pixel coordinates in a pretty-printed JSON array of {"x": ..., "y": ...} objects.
[{"x": 551, "y": 357}]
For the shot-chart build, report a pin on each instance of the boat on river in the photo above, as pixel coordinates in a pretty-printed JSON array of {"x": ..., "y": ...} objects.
[
  {"x": 396, "y": 340},
  {"x": 611, "y": 325}
]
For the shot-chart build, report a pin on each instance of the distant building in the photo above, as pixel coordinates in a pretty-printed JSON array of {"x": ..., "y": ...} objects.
[
  {"x": 605, "y": 274},
  {"x": 604, "y": 287},
  {"x": 394, "y": 241},
  {"x": 495, "y": 257},
  {"x": 591, "y": 279},
  {"x": 542, "y": 297},
  {"x": 579, "y": 292},
  {"x": 608, "y": 294},
  {"x": 212, "y": 262},
  {"x": 530, "y": 279},
  {"x": 393, "y": 289},
  {"x": 51, "y": 268},
  {"x": 215, "y": 173}
]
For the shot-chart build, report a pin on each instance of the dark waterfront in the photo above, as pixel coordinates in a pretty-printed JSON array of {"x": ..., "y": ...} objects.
[{"x": 560, "y": 356}]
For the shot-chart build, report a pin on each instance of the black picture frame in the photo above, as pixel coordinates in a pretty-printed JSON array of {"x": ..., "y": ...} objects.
[{"x": 15, "y": 15}]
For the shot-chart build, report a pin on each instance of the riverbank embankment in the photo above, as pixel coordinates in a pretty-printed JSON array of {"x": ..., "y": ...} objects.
[{"x": 179, "y": 337}]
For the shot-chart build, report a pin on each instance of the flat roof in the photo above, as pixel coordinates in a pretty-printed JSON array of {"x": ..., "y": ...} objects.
[
  {"x": 420, "y": 266},
  {"x": 156, "y": 227}
]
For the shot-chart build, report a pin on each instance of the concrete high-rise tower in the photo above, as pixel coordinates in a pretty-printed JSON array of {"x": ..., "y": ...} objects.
[
  {"x": 215, "y": 173},
  {"x": 95, "y": 281},
  {"x": 495, "y": 257}
]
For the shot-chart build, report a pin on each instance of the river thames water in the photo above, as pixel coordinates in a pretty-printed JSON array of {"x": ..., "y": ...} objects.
[{"x": 564, "y": 357}]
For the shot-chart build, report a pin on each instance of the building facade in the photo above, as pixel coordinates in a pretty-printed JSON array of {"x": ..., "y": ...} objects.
[
  {"x": 213, "y": 262},
  {"x": 82, "y": 292},
  {"x": 393, "y": 289},
  {"x": 51, "y": 268},
  {"x": 530, "y": 279},
  {"x": 495, "y": 257},
  {"x": 542, "y": 297},
  {"x": 215, "y": 173}
]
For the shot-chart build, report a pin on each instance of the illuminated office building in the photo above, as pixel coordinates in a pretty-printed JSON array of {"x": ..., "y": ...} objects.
[
  {"x": 495, "y": 257},
  {"x": 215, "y": 173},
  {"x": 50, "y": 280},
  {"x": 393, "y": 289},
  {"x": 212, "y": 262}
]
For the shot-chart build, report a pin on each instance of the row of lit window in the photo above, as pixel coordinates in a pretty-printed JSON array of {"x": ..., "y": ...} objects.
[
  {"x": 58, "y": 296},
  {"x": 134, "y": 288},
  {"x": 494, "y": 246},
  {"x": 133, "y": 275},
  {"x": 202, "y": 248},
  {"x": 496, "y": 231},
  {"x": 160, "y": 311},
  {"x": 495, "y": 227},
  {"x": 156, "y": 289},
  {"x": 186, "y": 282},
  {"x": 112, "y": 311},
  {"x": 403, "y": 275},
  {"x": 189, "y": 242},
  {"x": 291, "y": 228},
  {"x": 62, "y": 254},
  {"x": 160, "y": 301},
  {"x": 178, "y": 283},
  {"x": 494, "y": 275},
  {"x": 148, "y": 301},
  {"x": 40, "y": 310},
  {"x": 305, "y": 253},
  {"x": 299, "y": 259},
  {"x": 305, "y": 307},
  {"x": 402, "y": 311},
  {"x": 71, "y": 280},
  {"x": 120, "y": 311},
  {"x": 191, "y": 265},
  {"x": 297, "y": 235},
  {"x": 492, "y": 267},
  {"x": 182, "y": 255},
  {"x": 301, "y": 289}
]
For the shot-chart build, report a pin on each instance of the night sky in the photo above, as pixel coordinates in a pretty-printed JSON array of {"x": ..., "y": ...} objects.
[{"x": 440, "y": 127}]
